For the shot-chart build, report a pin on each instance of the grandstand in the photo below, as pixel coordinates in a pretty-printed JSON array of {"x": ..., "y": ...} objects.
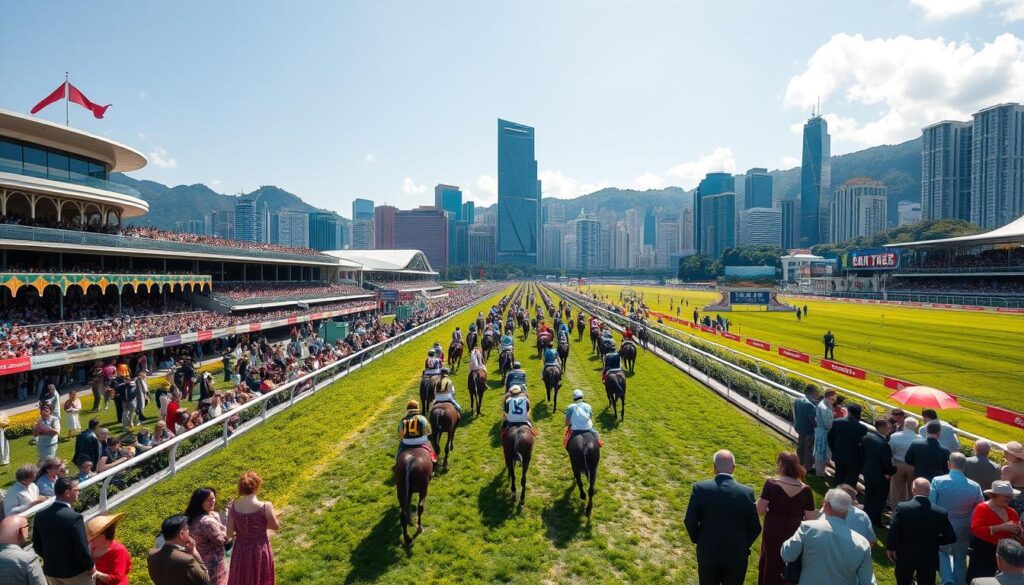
[{"x": 402, "y": 270}]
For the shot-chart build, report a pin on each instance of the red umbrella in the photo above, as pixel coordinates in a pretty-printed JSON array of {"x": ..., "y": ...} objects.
[{"x": 925, "y": 397}]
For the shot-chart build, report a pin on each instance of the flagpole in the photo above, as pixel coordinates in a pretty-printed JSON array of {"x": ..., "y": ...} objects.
[{"x": 66, "y": 97}]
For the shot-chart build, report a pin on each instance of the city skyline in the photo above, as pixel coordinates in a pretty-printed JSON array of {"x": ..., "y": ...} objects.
[{"x": 247, "y": 130}]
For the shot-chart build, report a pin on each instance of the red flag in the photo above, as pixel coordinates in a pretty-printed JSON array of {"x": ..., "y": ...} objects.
[
  {"x": 57, "y": 95},
  {"x": 77, "y": 97}
]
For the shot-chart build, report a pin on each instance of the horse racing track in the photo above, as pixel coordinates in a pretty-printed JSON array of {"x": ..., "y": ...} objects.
[{"x": 328, "y": 467}]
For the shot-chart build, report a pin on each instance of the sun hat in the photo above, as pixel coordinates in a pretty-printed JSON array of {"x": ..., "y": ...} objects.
[
  {"x": 1015, "y": 448},
  {"x": 1001, "y": 487},
  {"x": 98, "y": 524},
  {"x": 577, "y": 394},
  {"x": 516, "y": 389}
]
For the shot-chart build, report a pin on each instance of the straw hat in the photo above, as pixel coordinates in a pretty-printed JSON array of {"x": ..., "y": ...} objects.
[
  {"x": 98, "y": 524},
  {"x": 1002, "y": 488},
  {"x": 1016, "y": 449}
]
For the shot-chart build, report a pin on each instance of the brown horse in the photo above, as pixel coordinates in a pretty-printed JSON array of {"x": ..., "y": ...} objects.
[
  {"x": 413, "y": 471},
  {"x": 563, "y": 351},
  {"x": 552, "y": 381},
  {"x": 627, "y": 351},
  {"x": 471, "y": 339},
  {"x": 486, "y": 345},
  {"x": 506, "y": 358},
  {"x": 428, "y": 388},
  {"x": 444, "y": 418},
  {"x": 517, "y": 443},
  {"x": 595, "y": 338},
  {"x": 543, "y": 339},
  {"x": 526, "y": 328},
  {"x": 615, "y": 387},
  {"x": 454, "y": 355},
  {"x": 477, "y": 383},
  {"x": 584, "y": 456}
]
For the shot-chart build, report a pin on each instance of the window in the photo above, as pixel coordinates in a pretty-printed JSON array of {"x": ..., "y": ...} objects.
[
  {"x": 79, "y": 169},
  {"x": 35, "y": 161},
  {"x": 57, "y": 166},
  {"x": 10, "y": 157},
  {"x": 97, "y": 171}
]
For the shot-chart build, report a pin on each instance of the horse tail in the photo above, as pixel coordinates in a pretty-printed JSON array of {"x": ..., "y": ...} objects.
[
  {"x": 515, "y": 447},
  {"x": 409, "y": 461},
  {"x": 586, "y": 457}
]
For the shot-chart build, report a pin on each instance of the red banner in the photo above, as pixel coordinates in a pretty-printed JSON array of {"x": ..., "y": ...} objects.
[
  {"x": 844, "y": 369},
  {"x": 204, "y": 335},
  {"x": 255, "y": 326},
  {"x": 76, "y": 96},
  {"x": 794, "y": 355},
  {"x": 710, "y": 330},
  {"x": 292, "y": 320},
  {"x": 694, "y": 326},
  {"x": 131, "y": 347},
  {"x": 1014, "y": 419},
  {"x": 896, "y": 383},
  {"x": 15, "y": 365},
  {"x": 57, "y": 95},
  {"x": 759, "y": 344},
  {"x": 731, "y": 336}
]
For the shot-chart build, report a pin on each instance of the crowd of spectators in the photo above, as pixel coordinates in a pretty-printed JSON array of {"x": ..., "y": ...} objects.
[
  {"x": 991, "y": 259},
  {"x": 255, "y": 291},
  {"x": 402, "y": 284},
  {"x": 958, "y": 286}
]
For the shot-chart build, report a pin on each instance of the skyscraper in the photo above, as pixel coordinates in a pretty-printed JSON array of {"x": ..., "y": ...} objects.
[
  {"x": 552, "y": 251},
  {"x": 362, "y": 209},
  {"x": 908, "y": 212},
  {"x": 252, "y": 220},
  {"x": 362, "y": 234},
  {"x": 718, "y": 224},
  {"x": 587, "y": 230},
  {"x": 650, "y": 228},
  {"x": 554, "y": 213},
  {"x": 223, "y": 223},
  {"x": 518, "y": 195},
  {"x": 667, "y": 242},
  {"x": 757, "y": 188},
  {"x": 469, "y": 212},
  {"x": 760, "y": 226},
  {"x": 325, "y": 231},
  {"x": 711, "y": 184},
  {"x": 424, "y": 229},
  {"x": 293, "y": 228},
  {"x": 635, "y": 226},
  {"x": 997, "y": 166},
  {"x": 815, "y": 182},
  {"x": 946, "y": 170},
  {"x": 790, "y": 223},
  {"x": 858, "y": 209},
  {"x": 383, "y": 227},
  {"x": 481, "y": 244},
  {"x": 448, "y": 198},
  {"x": 686, "y": 231}
]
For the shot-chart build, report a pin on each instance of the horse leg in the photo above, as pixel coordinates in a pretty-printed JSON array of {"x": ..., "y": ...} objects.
[
  {"x": 404, "y": 515},
  {"x": 451, "y": 442},
  {"x": 590, "y": 494},
  {"x": 623, "y": 404},
  {"x": 579, "y": 483},
  {"x": 526, "y": 467},
  {"x": 423, "y": 497}
]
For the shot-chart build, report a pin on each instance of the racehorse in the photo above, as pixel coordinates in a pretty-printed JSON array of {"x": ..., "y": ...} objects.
[
  {"x": 543, "y": 339},
  {"x": 486, "y": 345},
  {"x": 580, "y": 325},
  {"x": 428, "y": 389},
  {"x": 506, "y": 358},
  {"x": 570, "y": 324},
  {"x": 552, "y": 381},
  {"x": 526, "y": 328},
  {"x": 644, "y": 336},
  {"x": 595, "y": 338},
  {"x": 517, "y": 443},
  {"x": 471, "y": 339},
  {"x": 615, "y": 387},
  {"x": 454, "y": 355},
  {"x": 605, "y": 346},
  {"x": 479, "y": 323},
  {"x": 627, "y": 351},
  {"x": 444, "y": 418},
  {"x": 584, "y": 455},
  {"x": 476, "y": 384},
  {"x": 563, "y": 352},
  {"x": 413, "y": 471}
]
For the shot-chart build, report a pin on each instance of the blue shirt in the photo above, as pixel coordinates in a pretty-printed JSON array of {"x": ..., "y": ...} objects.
[
  {"x": 550, "y": 357},
  {"x": 957, "y": 494},
  {"x": 803, "y": 416},
  {"x": 579, "y": 414},
  {"x": 859, "y": 522}
]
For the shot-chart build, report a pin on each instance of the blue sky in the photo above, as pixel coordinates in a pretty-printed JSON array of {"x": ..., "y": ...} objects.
[{"x": 384, "y": 99}]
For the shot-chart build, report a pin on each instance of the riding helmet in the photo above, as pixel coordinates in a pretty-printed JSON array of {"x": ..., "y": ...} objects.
[
  {"x": 516, "y": 389},
  {"x": 577, "y": 394},
  {"x": 517, "y": 365},
  {"x": 412, "y": 405},
  {"x": 430, "y": 353}
]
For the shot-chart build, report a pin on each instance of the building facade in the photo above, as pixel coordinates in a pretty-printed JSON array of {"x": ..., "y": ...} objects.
[
  {"x": 790, "y": 223},
  {"x": 757, "y": 191},
  {"x": 718, "y": 224},
  {"x": 293, "y": 228},
  {"x": 424, "y": 229},
  {"x": 667, "y": 242},
  {"x": 909, "y": 212},
  {"x": 325, "y": 231},
  {"x": 712, "y": 184},
  {"x": 448, "y": 198},
  {"x": 519, "y": 199},
  {"x": 482, "y": 244},
  {"x": 946, "y": 170},
  {"x": 363, "y": 235},
  {"x": 362, "y": 209},
  {"x": 552, "y": 255},
  {"x": 760, "y": 226},
  {"x": 997, "y": 166},
  {"x": 858, "y": 209},
  {"x": 815, "y": 182}
]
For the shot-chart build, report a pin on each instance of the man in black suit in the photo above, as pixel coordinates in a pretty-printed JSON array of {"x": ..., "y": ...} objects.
[
  {"x": 844, "y": 442},
  {"x": 929, "y": 458},
  {"x": 722, "y": 521},
  {"x": 876, "y": 465},
  {"x": 917, "y": 530},
  {"x": 87, "y": 445},
  {"x": 59, "y": 538}
]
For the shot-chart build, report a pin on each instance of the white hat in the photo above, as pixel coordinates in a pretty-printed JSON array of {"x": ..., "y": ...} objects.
[
  {"x": 1002, "y": 488},
  {"x": 577, "y": 394}
]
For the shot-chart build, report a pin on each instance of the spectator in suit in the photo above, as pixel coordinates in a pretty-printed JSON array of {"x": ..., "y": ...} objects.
[
  {"x": 721, "y": 519},
  {"x": 60, "y": 538},
  {"x": 17, "y": 565},
  {"x": 177, "y": 562},
  {"x": 916, "y": 532},
  {"x": 822, "y": 424},
  {"x": 958, "y": 495},
  {"x": 980, "y": 468},
  {"x": 1010, "y": 561},
  {"x": 803, "y": 422},
  {"x": 947, "y": 438},
  {"x": 87, "y": 445},
  {"x": 928, "y": 456},
  {"x": 831, "y": 552},
  {"x": 844, "y": 441},
  {"x": 900, "y": 441},
  {"x": 875, "y": 459}
]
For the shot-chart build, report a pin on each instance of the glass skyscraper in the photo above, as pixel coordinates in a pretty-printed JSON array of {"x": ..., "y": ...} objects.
[
  {"x": 518, "y": 195},
  {"x": 815, "y": 182},
  {"x": 757, "y": 190},
  {"x": 711, "y": 184},
  {"x": 362, "y": 209},
  {"x": 448, "y": 198}
]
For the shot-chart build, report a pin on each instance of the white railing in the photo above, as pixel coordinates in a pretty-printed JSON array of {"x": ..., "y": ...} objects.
[
  {"x": 581, "y": 301},
  {"x": 294, "y": 391}
]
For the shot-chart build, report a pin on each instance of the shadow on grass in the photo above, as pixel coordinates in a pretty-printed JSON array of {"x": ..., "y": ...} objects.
[
  {"x": 496, "y": 434},
  {"x": 607, "y": 420},
  {"x": 494, "y": 501},
  {"x": 380, "y": 549},
  {"x": 542, "y": 411},
  {"x": 564, "y": 518}
]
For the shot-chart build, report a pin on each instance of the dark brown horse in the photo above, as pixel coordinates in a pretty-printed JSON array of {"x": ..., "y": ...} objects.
[
  {"x": 563, "y": 351},
  {"x": 506, "y": 358},
  {"x": 471, "y": 339},
  {"x": 428, "y": 388},
  {"x": 627, "y": 351},
  {"x": 413, "y": 471},
  {"x": 615, "y": 387},
  {"x": 526, "y": 328},
  {"x": 477, "y": 383},
  {"x": 584, "y": 456},
  {"x": 595, "y": 339},
  {"x": 444, "y": 418},
  {"x": 581, "y": 326},
  {"x": 543, "y": 339},
  {"x": 454, "y": 355},
  {"x": 517, "y": 443},
  {"x": 486, "y": 345},
  {"x": 552, "y": 382},
  {"x": 480, "y": 324}
]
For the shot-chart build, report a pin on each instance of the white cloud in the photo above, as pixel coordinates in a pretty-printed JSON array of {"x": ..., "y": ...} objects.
[
  {"x": 214, "y": 182},
  {"x": 409, "y": 187},
  {"x": 556, "y": 184},
  {"x": 910, "y": 82},
  {"x": 690, "y": 173},
  {"x": 370, "y": 158},
  {"x": 649, "y": 180},
  {"x": 161, "y": 160},
  {"x": 789, "y": 162},
  {"x": 1009, "y": 10},
  {"x": 489, "y": 185}
]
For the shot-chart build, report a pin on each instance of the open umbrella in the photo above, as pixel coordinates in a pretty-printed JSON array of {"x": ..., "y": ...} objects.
[{"x": 925, "y": 397}]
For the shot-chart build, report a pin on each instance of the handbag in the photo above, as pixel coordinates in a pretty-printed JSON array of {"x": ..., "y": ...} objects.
[{"x": 791, "y": 571}]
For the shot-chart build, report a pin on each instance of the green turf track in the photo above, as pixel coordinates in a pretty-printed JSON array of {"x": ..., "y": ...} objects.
[
  {"x": 328, "y": 467},
  {"x": 971, "y": 354}
]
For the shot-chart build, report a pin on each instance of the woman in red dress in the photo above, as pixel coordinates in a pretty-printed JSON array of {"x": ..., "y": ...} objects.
[
  {"x": 113, "y": 563},
  {"x": 785, "y": 502},
  {"x": 992, "y": 521},
  {"x": 252, "y": 558}
]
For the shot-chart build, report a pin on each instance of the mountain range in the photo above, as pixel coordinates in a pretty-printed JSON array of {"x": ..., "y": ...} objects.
[{"x": 898, "y": 166}]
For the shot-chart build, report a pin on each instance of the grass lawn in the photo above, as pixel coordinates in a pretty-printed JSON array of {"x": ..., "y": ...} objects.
[
  {"x": 973, "y": 355},
  {"x": 328, "y": 468}
]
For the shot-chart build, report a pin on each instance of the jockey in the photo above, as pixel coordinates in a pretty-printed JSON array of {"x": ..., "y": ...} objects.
[
  {"x": 516, "y": 376},
  {"x": 476, "y": 361},
  {"x": 414, "y": 431},
  {"x": 578, "y": 418},
  {"x": 507, "y": 342},
  {"x": 628, "y": 334},
  {"x": 489, "y": 329},
  {"x": 439, "y": 351},
  {"x": 472, "y": 327},
  {"x": 595, "y": 323},
  {"x": 446, "y": 391},
  {"x": 457, "y": 335},
  {"x": 612, "y": 363},
  {"x": 517, "y": 409},
  {"x": 550, "y": 356},
  {"x": 432, "y": 367},
  {"x": 563, "y": 333}
]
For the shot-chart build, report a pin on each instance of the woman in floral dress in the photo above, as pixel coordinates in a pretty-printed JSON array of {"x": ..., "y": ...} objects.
[{"x": 210, "y": 534}]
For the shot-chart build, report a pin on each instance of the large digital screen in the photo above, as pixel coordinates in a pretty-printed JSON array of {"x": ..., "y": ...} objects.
[
  {"x": 749, "y": 297},
  {"x": 873, "y": 259},
  {"x": 748, "y": 277}
]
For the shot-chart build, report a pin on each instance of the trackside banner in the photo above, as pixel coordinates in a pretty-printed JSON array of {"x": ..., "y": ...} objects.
[
  {"x": 759, "y": 344},
  {"x": 844, "y": 369},
  {"x": 1014, "y": 419},
  {"x": 794, "y": 355},
  {"x": 896, "y": 383}
]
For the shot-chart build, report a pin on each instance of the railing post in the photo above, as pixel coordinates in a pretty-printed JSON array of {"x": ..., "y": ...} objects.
[
  {"x": 224, "y": 435},
  {"x": 263, "y": 414},
  {"x": 172, "y": 458},
  {"x": 103, "y": 493}
]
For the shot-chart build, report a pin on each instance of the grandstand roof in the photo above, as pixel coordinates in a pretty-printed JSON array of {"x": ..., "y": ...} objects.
[
  {"x": 34, "y": 130},
  {"x": 398, "y": 261},
  {"x": 1012, "y": 232}
]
